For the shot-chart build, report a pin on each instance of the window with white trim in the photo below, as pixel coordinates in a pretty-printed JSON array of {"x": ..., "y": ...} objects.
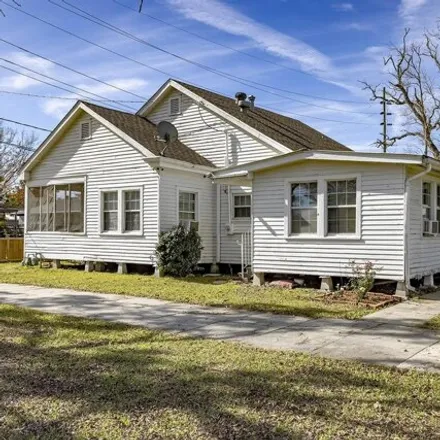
[
  {"x": 438, "y": 203},
  {"x": 56, "y": 208},
  {"x": 304, "y": 208},
  {"x": 175, "y": 106},
  {"x": 132, "y": 210},
  {"x": 341, "y": 206},
  {"x": 110, "y": 211},
  {"x": 187, "y": 206},
  {"x": 242, "y": 206},
  {"x": 86, "y": 130}
]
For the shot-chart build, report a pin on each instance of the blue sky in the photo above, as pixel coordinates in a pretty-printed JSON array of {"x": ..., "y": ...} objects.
[{"x": 320, "y": 48}]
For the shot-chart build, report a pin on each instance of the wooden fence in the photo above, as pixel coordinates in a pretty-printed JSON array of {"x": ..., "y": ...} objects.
[{"x": 11, "y": 249}]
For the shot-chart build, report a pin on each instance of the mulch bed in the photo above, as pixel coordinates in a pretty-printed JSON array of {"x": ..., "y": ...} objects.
[{"x": 372, "y": 300}]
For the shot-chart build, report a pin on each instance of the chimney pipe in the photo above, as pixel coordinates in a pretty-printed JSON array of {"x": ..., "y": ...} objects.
[{"x": 252, "y": 101}]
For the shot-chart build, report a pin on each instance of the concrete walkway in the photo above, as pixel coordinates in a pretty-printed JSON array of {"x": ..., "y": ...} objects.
[{"x": 389, "y": 337}]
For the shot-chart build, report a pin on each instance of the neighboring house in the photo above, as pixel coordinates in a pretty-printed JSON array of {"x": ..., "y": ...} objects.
[{"x": 102, "y": 187}]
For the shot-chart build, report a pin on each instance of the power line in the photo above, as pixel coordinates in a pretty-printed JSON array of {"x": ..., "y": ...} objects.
[
  {"x": 243, "y": 81},
  {"x": 66, "y": 98},
  {"x": 54, "y": 79},
  {"x": 25, "y": 125},
  {"x": 167, "y": 74},
  {"x": 71, "y": 69},
  {"x": 201, "y": 37}
]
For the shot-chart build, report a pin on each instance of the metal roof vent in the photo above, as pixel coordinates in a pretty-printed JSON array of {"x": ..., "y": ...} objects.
[{"x": 243, "y": 103}]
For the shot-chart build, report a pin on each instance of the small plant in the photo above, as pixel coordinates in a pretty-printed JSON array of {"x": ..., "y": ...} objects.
[
  {"x": 363, "y": 277},
  {"x": 179, "y": 251}
]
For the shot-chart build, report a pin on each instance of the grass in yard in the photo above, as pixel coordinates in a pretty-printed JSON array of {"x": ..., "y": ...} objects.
[
  {"x": 433, "y": 323},
  {"x": 194, "y": 290},
  {"x": 72, "y": 378}
]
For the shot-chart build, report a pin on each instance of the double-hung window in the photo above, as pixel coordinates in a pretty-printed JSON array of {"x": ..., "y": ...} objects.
[
  {"x": 132, "y": 210},
  {"x": 304, "y": 208},
  {"x": 121, "y": 211},
  {"x": 341, "y": 206},
  {"x": 56, "y": 208},
  {"x": 110, "y": 211},
  {"x": 187, "y": 206},
  {"x": 325, "y": 207},
  {"x": 242, "y": 206}
]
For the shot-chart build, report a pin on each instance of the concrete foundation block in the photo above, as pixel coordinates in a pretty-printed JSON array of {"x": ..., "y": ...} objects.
[
  {"x": 89, "y": 266},
  {"x": 56, "y": 264},
  {"x": 214, "y": 268},
  {"x": 159, "y": 272},
  {"x": 122, "y": 268},
  {"x": 327, "y": 283},
  {"x": 428, "y": 280},
  {"x": 258, "y": 279},
  {"x": 401, "y": 290}
]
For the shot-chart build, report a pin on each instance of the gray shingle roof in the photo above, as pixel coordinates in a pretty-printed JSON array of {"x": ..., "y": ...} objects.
[
  {"x": 289, "y": 132},
  {"x": 144, "y": 132}
]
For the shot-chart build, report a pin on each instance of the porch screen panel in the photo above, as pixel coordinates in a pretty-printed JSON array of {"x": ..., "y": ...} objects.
[
  {"x": 61, "y": 207},
  {"x": 34, "y": 198},
  {"x": 76, "y": 217}
]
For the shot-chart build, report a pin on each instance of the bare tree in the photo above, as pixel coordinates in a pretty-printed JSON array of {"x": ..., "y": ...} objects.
[
  {"x": 15, "y": 148},
  {"x": 412, "y": 87}
]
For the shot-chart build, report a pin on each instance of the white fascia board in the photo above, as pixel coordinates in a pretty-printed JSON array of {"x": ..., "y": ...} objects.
[
  {"x": 206, "y": 104},
  {"x": 175, "y": 164},
  {"x": 341, "y": 156}
]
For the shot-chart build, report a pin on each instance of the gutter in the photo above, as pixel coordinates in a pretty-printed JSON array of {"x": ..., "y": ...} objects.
[{"x": 406, "y": 224}]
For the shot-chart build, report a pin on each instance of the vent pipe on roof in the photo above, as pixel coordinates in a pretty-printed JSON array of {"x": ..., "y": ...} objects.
[{"x": 243, "y": 103}]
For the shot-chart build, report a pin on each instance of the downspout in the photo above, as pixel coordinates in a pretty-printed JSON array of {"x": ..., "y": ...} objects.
[
  {"x": 226, "y": 147},
  {"x": 406, "y": 224},
  {"x": 218, "y": 255}
]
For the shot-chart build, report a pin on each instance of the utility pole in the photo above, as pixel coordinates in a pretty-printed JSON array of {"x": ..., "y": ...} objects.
[
  {"x": 141, "y": 4},
  {"x": 385, "y": 124}
]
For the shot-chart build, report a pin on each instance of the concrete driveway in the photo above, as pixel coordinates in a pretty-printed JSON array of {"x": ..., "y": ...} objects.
[{"x": 390, "y": 336}]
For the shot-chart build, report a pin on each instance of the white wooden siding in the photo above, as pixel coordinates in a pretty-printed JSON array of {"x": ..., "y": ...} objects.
[
  {"x": 107, "y": 162},
  {"x": 423, "y": 252},
  {"x": 382, "y": 223},
  {"x": 230, "y": 228},
  {"x": 170, "y": 183},
  {"x": 203, "y": 131}
]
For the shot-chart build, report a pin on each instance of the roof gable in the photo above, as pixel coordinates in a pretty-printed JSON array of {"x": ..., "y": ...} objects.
[
  {"x": 286, "y": 133},
  {"x": 137, "y": 131}
]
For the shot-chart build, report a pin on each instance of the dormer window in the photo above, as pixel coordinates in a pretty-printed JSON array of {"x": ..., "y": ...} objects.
[
  {"x": 86, "y": 130},
  {"x": 175, "y": 106}
]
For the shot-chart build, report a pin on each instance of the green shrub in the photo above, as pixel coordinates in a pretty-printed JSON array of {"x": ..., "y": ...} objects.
[{"x": 179, "y": 251}]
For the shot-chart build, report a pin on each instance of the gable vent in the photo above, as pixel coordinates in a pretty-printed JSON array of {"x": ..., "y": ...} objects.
[
  {"x": 86, "y": 130},
  {"x": 174, "y": 106}
]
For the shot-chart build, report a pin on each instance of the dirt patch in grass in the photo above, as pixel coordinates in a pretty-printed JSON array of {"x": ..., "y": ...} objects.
[
  {"x": 371, "y": 300},
  {"x": 70, "y": 378}
]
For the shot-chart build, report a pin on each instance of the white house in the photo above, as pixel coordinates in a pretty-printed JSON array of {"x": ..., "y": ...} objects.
[{"x": 102, "y": 187}]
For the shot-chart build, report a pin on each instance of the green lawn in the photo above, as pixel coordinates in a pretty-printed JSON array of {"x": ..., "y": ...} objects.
[
  {"x": 433, "y": 323},
  {"x": 71, "y": 378},
  {"x": 195, "y": 290}
]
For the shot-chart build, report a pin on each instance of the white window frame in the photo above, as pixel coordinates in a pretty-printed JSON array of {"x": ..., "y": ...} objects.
[
  {"x": 192, "y": 191},
  {"x": 322, "y": 212},
  {"x": 233, "y": 195},
  {"x": 89, "y": 136},
  {"x": 179, "y": 98},
  {"x": 61, "y": 181},
  {"x": 121, "y": 212}
]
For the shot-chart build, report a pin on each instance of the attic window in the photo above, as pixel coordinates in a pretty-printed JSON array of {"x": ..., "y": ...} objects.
[
  {"x": 86, "y": 130},
  {"x": 175, "y": 106}
]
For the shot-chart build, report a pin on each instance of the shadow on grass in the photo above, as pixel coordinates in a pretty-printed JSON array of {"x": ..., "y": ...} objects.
[{"x": 109, "y": 373}]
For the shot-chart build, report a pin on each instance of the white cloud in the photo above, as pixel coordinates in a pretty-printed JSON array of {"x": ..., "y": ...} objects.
[
  {"x": 407, "y": 8},
  {"x": 20, "y": 82},
  {"x": 223, "y": 17},
  {"x": 344, "y": 7},
  {"x": 355, "y": 26}
]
